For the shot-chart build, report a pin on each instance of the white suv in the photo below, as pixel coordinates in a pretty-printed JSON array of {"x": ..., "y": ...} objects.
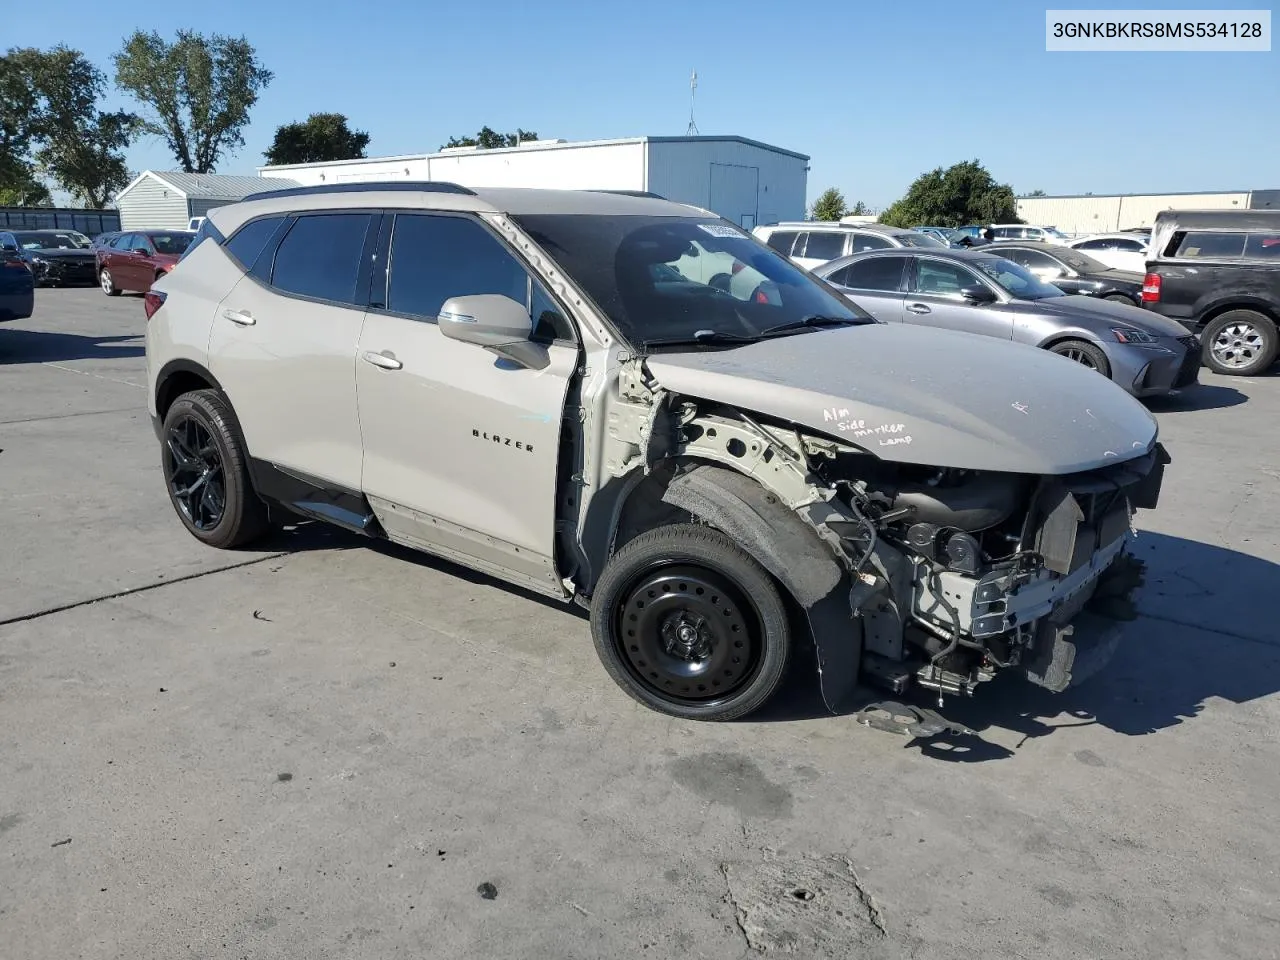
[
  {"x": 1022, "y": 231},
  {"x": 812, "y": 243},
  {"x": 633, "y": 404}
]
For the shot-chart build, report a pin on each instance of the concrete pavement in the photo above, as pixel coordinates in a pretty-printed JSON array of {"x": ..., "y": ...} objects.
[{"x": 327, "y": 749}]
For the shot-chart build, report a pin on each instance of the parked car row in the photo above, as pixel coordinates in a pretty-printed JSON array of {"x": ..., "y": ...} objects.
[{"x": 1217, "y": 273}]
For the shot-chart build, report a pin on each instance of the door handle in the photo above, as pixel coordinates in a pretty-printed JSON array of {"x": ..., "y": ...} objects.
[
  {"x": 381, "y": 360},
  {"x": 918, "y": 308},
  {"x": 237, "y": 316}
]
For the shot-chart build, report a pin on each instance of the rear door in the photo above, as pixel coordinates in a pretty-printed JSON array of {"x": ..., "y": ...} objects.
[
  {"x": 876, "y": 285},
  {"x": 461, "y": 447},
  {"x": 934, "y": 300},
  {"x": 283, "y": 344}
]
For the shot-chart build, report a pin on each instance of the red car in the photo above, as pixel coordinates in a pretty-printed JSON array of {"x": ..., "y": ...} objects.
[{"x": 133, "y": 261}]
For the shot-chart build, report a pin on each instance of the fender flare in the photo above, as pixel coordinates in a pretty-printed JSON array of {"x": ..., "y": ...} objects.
[{"x": 793, "y": 553}]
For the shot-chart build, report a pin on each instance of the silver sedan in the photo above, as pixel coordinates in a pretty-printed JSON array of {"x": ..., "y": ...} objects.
[{"x": 978, "y": 291}]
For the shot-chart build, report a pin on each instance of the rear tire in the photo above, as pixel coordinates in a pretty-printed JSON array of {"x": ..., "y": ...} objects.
[
  {"x": 1120, "y": 298},
  {"x": 689, "y": 624},
  {"x": 1239, "y": 343},
  {"x": 107, "y": 284},
  {"x": 206, "y": 472},
  {"x": 1085, "y": 354}
]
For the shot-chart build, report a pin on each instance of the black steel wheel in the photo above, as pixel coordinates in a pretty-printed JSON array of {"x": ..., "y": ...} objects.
[
  {"x": 689, "y": 624},
  {"x": 1083, "y": 353},
  {"x": 206, "y": 471}
]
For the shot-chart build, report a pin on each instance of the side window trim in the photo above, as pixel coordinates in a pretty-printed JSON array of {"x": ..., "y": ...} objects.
[{"x": 382, "y": 266}]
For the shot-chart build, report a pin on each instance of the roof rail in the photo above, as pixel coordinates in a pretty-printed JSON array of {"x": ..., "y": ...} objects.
[
  {"x": 366, "y": 186},
  {"x": 631, "y": 193}
]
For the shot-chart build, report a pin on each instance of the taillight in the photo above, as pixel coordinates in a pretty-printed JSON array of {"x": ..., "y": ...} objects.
[
  {"x": 152, "y": 301},
  {"x": 1151, "y": 288}
]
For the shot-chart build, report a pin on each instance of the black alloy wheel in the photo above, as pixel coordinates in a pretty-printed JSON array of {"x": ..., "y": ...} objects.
[
  {"x": 1085, "y": 354},
  {"x": 206, "y": 471},
  {"x": 688, "y": 633},
  {"x": 193, "y": 469}
]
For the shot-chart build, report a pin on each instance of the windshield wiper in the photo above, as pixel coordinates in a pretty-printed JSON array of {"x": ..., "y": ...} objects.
[
  {"x": 698, "y": 336},
  {"x": 813, "y": 320}
]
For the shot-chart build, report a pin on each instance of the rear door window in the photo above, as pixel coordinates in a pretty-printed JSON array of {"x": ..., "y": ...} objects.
[
  {"x": 783, "y": 241},
  {"x": 823, "y": 245},
  {"x": 1211, "y": 246},
  {"x": 873, "y": 273},
  {"x": 250, "y": 240},
  {"x": 320, "y": 257}
]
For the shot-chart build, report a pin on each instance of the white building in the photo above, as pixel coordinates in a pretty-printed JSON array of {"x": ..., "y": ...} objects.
[
  {"x": 1086, "y": 213},
  {"x": 742, "y": 180},
  {"x": 168, "y": 200}
]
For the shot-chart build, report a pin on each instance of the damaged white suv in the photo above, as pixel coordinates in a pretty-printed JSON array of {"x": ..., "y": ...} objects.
[{"x": 633, "y": 404}]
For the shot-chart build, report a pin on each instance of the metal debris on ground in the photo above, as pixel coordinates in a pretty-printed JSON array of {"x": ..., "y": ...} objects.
[{"x": 908, "y": 719}]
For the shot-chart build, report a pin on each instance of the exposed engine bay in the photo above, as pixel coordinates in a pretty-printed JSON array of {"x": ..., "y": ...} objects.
[{"x": 954, "y": 574}]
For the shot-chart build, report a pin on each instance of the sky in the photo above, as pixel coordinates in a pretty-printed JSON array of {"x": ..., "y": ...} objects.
[{"x": 875, "y": 93}]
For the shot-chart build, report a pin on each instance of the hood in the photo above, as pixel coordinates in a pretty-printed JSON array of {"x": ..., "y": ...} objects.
[
  {"x": 62, "y": 254},
  {"x": 920, "y": 395},
  {"x": 1098, "y": 315}
]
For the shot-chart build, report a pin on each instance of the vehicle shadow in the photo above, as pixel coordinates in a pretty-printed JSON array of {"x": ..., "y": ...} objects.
[
  {"x": 1204, "y": 631},
  {"x": 1204, "y": 396},
  {"x": 38, "y": 346}
]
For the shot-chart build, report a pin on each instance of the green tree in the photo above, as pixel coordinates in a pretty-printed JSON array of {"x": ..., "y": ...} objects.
[
  {"x": 961, "y": 194},
  {"x": 829, "y": 205},
  {"x": 20, "y": 192},
  {"x": 50, "y": 125},
  {"x": 488, "y": 139},
  {"x": 859, "y": 209},
  {"x": 198, "y": 91},
  {"x": 322, "y": 136},
  {"x": 1037, "y": 193}
]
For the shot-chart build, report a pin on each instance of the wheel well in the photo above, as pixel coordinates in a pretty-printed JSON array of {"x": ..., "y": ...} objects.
[
  {"x": 175, "y": 385},
  {"x": 1214, "y": 312},
  {"x": 1062, "y": 338}
]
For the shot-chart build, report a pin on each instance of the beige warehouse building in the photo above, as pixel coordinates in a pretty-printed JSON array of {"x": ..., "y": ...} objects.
[{"x": 1087, "y": 213}]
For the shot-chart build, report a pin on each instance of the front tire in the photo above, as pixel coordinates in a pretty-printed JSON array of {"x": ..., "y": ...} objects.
[
  {"x": 206, "y": 472},
  {"x": 689, "y": 624},
  {"x": 1239, "y": 343},
  {"x": 1085, "y": 354},
  {"x": 107, "y": 284}
]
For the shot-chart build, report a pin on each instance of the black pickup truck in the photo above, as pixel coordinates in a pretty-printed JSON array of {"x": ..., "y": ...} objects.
[{"x": 1217, "y": 272}]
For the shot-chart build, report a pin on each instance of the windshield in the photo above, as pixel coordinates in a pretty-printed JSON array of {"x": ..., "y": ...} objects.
[
  {"x": 1016, "y": 280},
  {"x": 677, "y": 279},
  {"x": 915, "y": 239},
  {"x": 171, "y": 243},
  {"x": 68, "y": 240},
  {"x": 1055, "y": 232}
]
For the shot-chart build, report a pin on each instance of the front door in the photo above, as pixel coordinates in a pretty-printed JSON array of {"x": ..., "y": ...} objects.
[
  {"x": 284, "y": 349},
  {"x": 461, "y": 447},
  {"x": 935, "y": 300}
]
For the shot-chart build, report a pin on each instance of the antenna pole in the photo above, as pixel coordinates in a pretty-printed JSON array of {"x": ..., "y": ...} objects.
[{"x": 693, "y": 94}]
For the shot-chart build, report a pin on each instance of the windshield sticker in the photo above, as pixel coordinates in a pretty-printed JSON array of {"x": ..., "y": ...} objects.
[{"x": 719, "y": 230}]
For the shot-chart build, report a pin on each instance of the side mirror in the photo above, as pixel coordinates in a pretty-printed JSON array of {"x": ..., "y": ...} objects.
[
  {"x": 8, "y": 248},
  {"x": 497, "y": 323},
  {"x": 978, "y": 294}
]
